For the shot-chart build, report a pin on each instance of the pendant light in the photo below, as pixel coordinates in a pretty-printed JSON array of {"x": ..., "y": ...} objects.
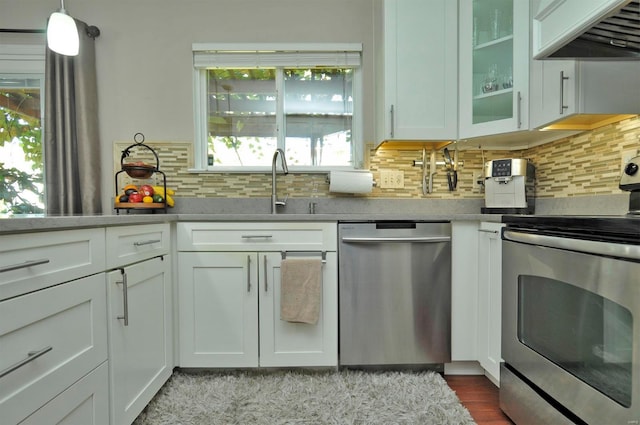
[{"x": 62, "y": 33}]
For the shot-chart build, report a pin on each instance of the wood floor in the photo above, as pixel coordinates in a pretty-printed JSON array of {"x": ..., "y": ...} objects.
[{"x": 480, "y": 397}]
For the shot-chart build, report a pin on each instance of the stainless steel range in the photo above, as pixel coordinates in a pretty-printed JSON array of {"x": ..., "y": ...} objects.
[
  {"x": 571, "y": 316},
  {"x": 571, "y": 320}
]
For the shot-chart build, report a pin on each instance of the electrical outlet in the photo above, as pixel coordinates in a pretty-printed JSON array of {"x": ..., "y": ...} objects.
[
  {"x": 397, "y": 179},
  {"x": 385, "y": 179},
  {"x": 391, "y": 179}
]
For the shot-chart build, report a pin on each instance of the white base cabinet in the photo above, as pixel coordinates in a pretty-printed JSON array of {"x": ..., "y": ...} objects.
[
  {"x": 139, "y": 299},
  {"x": 284, "y": 343},
  {"x": 464, "y": 290},
  {"x": 218, "y": 305},
  {"x": 490, "y": 299},
  {"x": 52, "y": 339},
  {"x": 476, "y": 322},
  {"x": 229, "y": 301},
  {"x": 66, "y": 354}
]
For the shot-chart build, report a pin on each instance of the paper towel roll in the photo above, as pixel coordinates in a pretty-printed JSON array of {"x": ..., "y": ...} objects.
[{"x": 350, "y": 181}]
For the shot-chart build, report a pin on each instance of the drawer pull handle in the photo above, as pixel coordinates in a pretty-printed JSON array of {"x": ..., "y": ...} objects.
[
  {"x": 125, "y": 299},
  {"x": 256, "y": 236},
  {"x": 23, "y": 265},
  {"x": 146, "y": 242},
  {"x": 495, "y": 232},
  {"x": 31, "y": 356}
]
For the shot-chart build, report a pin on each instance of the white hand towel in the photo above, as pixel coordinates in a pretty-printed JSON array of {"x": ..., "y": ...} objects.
[{"x": 301, "y": 281}]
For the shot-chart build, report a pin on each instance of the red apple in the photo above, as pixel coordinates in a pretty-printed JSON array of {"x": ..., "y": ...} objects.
[
  {"x": 135, "y": 197},
  {"x": 146, "y": 190}
]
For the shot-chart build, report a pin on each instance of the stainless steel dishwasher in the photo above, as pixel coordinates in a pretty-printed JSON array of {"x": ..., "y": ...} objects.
[{"x": 395, "y": 293}]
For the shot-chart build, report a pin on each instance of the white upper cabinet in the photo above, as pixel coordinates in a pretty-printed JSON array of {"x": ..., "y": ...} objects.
[
  {"x": 416, "y": 66},
  {"x": 494, "y": 67},
  {"x": 582, "y": 95},
  {"x": 556, "y": 22}
]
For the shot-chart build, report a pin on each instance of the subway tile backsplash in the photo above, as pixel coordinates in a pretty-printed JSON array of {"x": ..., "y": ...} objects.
[{"x": 585, "y": 164}]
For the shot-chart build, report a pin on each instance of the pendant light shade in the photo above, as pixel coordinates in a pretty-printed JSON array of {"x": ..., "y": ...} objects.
[{"x": 62, "y": 33}]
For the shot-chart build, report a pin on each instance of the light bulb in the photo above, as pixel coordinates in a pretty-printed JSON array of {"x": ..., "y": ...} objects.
[{"x": 62, "y": 34}]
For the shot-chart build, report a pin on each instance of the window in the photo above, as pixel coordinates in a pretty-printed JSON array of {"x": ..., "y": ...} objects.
[
  {"x": 249, "y": 102},
  {"x": 21, "y": 155}
]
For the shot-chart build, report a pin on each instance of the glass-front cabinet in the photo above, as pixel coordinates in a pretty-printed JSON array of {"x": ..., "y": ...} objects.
[{"x": 494, "y": 67}]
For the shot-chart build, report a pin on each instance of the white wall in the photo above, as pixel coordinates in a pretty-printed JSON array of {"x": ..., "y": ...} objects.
[{"x": 144, "y": 53}]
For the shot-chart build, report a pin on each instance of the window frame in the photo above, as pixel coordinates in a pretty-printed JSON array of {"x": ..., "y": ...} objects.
[{"x": 200, "y": 100}]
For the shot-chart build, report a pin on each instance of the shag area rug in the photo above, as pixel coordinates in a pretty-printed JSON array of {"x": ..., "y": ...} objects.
[{"x": 318, "y": 398}]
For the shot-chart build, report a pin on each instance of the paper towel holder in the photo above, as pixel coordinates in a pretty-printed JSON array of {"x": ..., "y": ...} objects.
[{"x": 327, "y": 178}]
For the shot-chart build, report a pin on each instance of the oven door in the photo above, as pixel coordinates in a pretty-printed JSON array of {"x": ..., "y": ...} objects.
[{"x": 570, "y": 312}]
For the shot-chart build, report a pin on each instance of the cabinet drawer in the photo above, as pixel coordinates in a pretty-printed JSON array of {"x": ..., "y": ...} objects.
[
  {"x": 257, "y": 236},
  {"x": 86, "y": 402},
  {"x": 131, "y": 244},
  {"x": 29, "y": 262},
  {"x": 67, "y": 323}
]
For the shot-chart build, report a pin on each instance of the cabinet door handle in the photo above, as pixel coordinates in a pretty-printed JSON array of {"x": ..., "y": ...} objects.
[
  {"x": 31, "y": 356},
  {"x": 265, "y": 274},
  {"x": 23, "y": 265},
  {"x": 562, "y": 80},
  {"x": 147, "y": 242},
  {"x": 519, "y": 110},
  {"x": 393, "y": 125},
  {"x": 248, "y": 273},
  {"x": 125, "y": 298},
  {"x": 495, "y": 232}
]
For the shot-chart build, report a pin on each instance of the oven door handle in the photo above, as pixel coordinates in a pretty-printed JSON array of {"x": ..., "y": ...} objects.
[
  {"x": 409, "y": 239},
  {"x": 590, "y": 247}
]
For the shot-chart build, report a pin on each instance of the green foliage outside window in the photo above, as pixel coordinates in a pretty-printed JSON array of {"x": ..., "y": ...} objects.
[{"x": 21, "y": 178}]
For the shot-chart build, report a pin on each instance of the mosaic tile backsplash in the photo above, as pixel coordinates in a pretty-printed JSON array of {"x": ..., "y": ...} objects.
[{"x": 586, "y": 164}]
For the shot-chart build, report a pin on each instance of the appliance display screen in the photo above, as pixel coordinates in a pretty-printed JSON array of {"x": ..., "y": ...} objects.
[
  {"x": 501, "y": 168},
  {"x": 585, "y": 334}
]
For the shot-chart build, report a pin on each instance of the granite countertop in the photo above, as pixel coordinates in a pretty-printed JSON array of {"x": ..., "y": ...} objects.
[
  {"x": 328, "y": 209},
  {"x": 34, "y": 224}
]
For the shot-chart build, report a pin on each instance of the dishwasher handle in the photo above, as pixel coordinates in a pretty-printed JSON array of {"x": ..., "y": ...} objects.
[{"x": 399, "y": 239}]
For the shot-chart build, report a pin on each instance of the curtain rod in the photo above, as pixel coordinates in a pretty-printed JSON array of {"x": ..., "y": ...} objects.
[
  {"x": 22, "y": 31},
  {"x": 92, "y": 31}
]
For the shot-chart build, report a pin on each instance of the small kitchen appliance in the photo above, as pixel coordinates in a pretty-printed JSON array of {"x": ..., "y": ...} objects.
[
  {"x": 509, "y": 186},
  {"x": 630, "y": 181}
]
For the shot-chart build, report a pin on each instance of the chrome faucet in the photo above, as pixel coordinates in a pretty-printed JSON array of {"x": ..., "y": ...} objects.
[{"x": 274, "y": 197}]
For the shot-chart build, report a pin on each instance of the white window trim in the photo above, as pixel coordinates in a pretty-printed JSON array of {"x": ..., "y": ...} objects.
[
  {"x": 22, "y": 60},
  {"x": 200, "y": 84}
]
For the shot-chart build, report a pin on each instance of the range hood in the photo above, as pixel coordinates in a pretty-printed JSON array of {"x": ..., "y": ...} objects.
[{"x": 615, "y": 36}]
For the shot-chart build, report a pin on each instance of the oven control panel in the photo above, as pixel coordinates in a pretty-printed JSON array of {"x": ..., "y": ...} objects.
[{"x": 630, "y": 179}]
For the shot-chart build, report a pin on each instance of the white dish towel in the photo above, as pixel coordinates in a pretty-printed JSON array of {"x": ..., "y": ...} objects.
[{"x": 300, "y": 292}]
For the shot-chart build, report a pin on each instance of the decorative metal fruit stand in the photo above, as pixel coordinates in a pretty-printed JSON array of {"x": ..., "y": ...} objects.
[{"x": 140, "y": 171}]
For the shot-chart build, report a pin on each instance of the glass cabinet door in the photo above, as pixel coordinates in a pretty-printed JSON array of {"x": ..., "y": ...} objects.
[
  {"x": 492, "y": 61},
  {"x": 494, "y": 58}
]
